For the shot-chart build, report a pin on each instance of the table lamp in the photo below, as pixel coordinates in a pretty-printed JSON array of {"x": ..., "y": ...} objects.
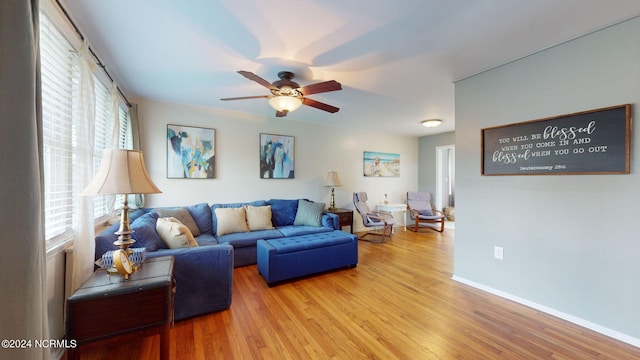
[
  {"x": 122, "y": 172},
  {"x": 332, "y": 180}
]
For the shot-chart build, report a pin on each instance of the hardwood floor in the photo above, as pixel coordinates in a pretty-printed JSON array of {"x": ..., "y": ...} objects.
[{"x": 398, "y": 303}]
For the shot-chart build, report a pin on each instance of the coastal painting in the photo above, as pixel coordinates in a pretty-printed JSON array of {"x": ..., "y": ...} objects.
[
  {"x": 276, "y": 156},
  {"x": 190, "y": 152},
  {"x": 378, "y": 164}
]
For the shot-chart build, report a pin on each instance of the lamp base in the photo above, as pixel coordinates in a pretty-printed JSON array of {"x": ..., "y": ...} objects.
[
  {"x": 124, "y": 232},
  {"x": 332, "y": 204}
]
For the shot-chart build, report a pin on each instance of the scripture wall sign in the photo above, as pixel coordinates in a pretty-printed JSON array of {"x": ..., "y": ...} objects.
[{"x": 589, "y": 142}]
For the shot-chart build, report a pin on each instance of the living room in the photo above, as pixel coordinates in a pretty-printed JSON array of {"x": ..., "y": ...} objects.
[{"x": 569, "y": 242}]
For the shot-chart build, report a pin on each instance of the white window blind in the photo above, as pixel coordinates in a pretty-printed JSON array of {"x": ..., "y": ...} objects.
[
  {"x": 60, "y": 75},
  {"x": 59, "y": 72}
]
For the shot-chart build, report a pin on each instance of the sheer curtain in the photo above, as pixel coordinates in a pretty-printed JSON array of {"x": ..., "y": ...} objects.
[
  {"x": 23, "y": 305},
  {"x": 83, "y": 224},
  {"x": 112, "y": 143}
]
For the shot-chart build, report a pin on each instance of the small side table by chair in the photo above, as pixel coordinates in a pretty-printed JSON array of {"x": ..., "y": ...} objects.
[{"x": 345, "y": 216}]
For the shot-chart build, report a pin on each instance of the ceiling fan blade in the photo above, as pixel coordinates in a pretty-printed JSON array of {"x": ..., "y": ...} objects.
[
  {"x": 321, "y": 87},
  {"x": 258, "y": 79},
  {"x": 248, "y": 97},
  {"x": 319, "y": 105},
  {"x": 281, "y": 113}
]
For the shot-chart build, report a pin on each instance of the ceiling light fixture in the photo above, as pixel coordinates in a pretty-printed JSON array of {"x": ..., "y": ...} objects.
[
  {"x": 285, "y": 103},
  {"x": 431, "y": 123}
]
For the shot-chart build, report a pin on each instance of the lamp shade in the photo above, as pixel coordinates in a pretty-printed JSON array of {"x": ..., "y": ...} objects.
[
  {"x": 285, "y": 103},
  {"x": 332, "y": 179},
  {"x": 121, "y": 172}
]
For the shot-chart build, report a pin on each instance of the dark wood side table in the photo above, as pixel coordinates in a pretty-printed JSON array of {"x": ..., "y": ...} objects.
[
  {"x": 107, "y": 309},
  {"x": 345, "y": 216}
]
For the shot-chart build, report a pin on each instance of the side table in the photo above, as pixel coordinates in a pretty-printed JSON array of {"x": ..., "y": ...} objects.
[
  {"x": 345, "y": 216},
  {"x": 391, "y": 208},
  {"x": 106, "y": 309}
]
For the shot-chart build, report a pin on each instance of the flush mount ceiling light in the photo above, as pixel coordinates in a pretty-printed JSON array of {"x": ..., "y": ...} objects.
[{"x": 431, "y": 123}]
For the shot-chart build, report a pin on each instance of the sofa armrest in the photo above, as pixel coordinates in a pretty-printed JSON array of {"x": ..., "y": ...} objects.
[
  {"x": 331, "y": 220},
  {"x": 204, "y": 278}
]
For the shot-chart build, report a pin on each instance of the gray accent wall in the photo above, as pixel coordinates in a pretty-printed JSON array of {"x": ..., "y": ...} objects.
[{"x": 571, "y": 242}]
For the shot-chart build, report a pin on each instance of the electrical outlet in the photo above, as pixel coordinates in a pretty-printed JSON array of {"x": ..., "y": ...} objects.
[{"x": 498, "y": 252}]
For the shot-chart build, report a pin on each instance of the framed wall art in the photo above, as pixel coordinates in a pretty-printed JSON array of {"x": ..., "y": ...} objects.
[
  {"x": 378, "y": 164},
  {"x": 589, "y": 142},
  {"x": 190, "y": 152},
  {"x": 276, "y": 156}
]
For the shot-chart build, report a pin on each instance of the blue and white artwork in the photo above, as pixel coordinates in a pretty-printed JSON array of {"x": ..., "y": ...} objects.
[
  {"x": 190, "y": 152},
  {"x": 276, "y": 156},
  {"x": 378, "y": 164}
]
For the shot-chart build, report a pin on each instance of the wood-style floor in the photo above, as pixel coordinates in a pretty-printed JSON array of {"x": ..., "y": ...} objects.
[{"x": 398, "y": 303}]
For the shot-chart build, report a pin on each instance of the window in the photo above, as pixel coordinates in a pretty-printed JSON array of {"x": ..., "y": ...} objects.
[{"x": 60, "y": 76}]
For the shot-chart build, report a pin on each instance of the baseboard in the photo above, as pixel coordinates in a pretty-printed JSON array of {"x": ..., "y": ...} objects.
[{"x": 573, "y": 319}]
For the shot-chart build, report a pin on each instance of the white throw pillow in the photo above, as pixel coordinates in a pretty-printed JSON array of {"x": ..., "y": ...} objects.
[
  {"x": 231, "y": 220},
  {"x": 174, "y": 233},
  {"x": 259, "y": 217}
]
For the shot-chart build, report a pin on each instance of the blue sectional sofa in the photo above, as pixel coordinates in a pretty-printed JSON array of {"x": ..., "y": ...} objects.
[{"x": 204, "y": 274}]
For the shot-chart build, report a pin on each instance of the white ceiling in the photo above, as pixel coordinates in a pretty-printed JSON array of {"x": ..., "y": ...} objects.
[{"x": 396, "y": 60}]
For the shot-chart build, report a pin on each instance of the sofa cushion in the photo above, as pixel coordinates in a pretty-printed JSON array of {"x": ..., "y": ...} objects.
[
  {"x": 291, "y": 230},
  {"x": 283, "y": 211},
  {"x": 309, "y": 213},
  {"x": 231, "y": 220},
  {"x": 248, "y": 238},
  {"x": 259, "y": 217},
  {"x": 145, "y": 232},
  {"x": 183, "y": 215},
  {"x": 201, "y": 214},
  {"x": 214, "y": 218},
  {"x": 174, "y": 233},
  {"x": 206, "y": 239}
]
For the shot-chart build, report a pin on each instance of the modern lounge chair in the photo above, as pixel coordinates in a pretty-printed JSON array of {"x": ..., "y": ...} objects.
[
  {"x": 373, "y": 219},
  {"x": 421, "y": 212}
]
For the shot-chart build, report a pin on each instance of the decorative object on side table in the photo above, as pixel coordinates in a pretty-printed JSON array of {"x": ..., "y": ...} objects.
[
  {"x": 122, "y": 172},
  {"x": 332, "y": 180}
]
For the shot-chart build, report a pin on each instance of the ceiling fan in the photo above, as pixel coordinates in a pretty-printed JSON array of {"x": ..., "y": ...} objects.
[{"x": 286, "y": 95}]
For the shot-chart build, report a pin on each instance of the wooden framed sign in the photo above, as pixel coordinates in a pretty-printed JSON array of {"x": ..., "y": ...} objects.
[{"x": 589, "y": 142}]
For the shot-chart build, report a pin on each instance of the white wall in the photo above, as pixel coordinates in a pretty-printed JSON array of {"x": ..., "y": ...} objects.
[
  {"x": 318, "y": 149},
  {"x": 571, "y": 242}
]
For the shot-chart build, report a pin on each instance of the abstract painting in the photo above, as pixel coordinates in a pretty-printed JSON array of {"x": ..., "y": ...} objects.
[
  {"x": 276, "y": 156},
  {"x": 190, "y": 152},
  {"x": 377, "y": 164}
]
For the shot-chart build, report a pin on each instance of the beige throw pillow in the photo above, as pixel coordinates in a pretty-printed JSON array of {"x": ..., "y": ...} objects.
[
  {"x": 259, "y": 217},
  {"x": 231, "y": 220},
  {"x": 174, "y": 233},
  {"x": 183, "y": 215}
]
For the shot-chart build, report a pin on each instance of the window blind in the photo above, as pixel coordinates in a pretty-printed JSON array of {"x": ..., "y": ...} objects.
[
  {"x": 59, "y": 73},
  {"x": 60, "y": 77}
]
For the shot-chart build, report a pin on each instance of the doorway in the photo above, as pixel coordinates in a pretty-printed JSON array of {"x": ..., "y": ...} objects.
[{"x": 445, "y": 180}]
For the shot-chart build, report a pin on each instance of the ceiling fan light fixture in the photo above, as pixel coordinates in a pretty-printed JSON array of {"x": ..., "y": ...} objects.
[
  {"x": 285, "y": 103},
  {"x": 431, "y": 123}
]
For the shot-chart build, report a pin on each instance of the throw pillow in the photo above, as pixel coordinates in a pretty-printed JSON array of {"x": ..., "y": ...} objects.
[
  {"x": 174, "y": 233},
  {"x": 183, "y": 215},
  {"x": 426, "y": 212},
  {"x": 283, "y": 211},
  {"x": 309, "y": 213},
  {"x": 145, "y": 234},
  {"x": 231, "y": 220},
  {"x": 259, "y": 217}
]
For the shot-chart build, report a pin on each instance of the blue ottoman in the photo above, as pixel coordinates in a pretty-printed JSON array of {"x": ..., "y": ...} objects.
[{"x": 291, "y": 257}]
